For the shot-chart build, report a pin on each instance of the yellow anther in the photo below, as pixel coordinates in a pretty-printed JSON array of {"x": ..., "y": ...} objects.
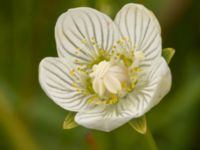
[
  {"x": 92, "y": 39},
  {"x": 113, "y": 99},
  {"x": 84, "y": 41},
  {"x": 134, "y": 79},
  {"x": 125, "y": 38},
  {"x": 74, "y": 85},
  {"x": 127, "y": 60},
  {"x": 114, "y": 46},
  {"x": 78, "y": 49},
  {"x": 118, "y": 42},
  {"x": 72, "y": 72},
  {"x": 78, "y": 90},
  {"x": 76, "y": 61},
  {"x": 137, "y": 69},
  {"x": 126, "y": 87},
  {"x": 112, "y": 51},
  {"x": 92, "y": 99},
  {"x": 118, "y": 54}
]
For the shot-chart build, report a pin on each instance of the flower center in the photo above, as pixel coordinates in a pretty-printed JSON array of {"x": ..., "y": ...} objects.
[
  {"x": 107, "y": 78},
  {"x": 113, "y": 79},
  {"x": 111, "y": 75}
]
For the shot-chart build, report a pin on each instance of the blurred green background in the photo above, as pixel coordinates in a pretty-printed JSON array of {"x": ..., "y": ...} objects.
[{"x": 29, "y": 120}]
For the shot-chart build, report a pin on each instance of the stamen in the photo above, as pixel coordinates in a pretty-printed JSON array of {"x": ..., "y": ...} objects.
[
  {"x": 110, "y": 76},
  {"x": 72, "y": 72}
]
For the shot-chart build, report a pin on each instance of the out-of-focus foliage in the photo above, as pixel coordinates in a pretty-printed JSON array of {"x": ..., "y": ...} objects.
[{"x": 30, "y": 121}]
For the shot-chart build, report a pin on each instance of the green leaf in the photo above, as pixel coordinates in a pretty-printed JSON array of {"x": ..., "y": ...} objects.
[
  {"x": 69, "y": 122},
  {"x": 139, "y": 124},
  {"x": 168, "y": 53}
]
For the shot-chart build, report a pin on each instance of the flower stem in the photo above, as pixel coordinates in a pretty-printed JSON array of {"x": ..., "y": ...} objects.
[
  {"x": 150, "y": 140},
  {"x": 91, "y": 141}
]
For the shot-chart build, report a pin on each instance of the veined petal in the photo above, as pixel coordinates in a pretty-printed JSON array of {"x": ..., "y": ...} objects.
[
  {"x": 151, "y": 88},
  {"x": 103, "y": 118},
  {"x": 108, "y": 117},
  {"x": 59, "y": 85},
  {"x": 141, "y": 28},
  {"x": 161, "y": 74},
  {"x": 82, "y": 32}
]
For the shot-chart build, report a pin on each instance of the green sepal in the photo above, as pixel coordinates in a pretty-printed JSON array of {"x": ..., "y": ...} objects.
[
  {"x": 139, "y": 124},
  {"x": 168, "y": 53},
  {"x": 69, "y": 122}
]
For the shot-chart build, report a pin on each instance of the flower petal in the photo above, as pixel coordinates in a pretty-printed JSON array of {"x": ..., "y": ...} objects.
[
  {"x": 102, "y": 118},
  {"x": 141, "y": 28},
  {"x": 150, "y": 90},
  {"x": 59, "y": 85},
  {"x": 143, "y": 98},
  {"x": 82, "y": 32}
]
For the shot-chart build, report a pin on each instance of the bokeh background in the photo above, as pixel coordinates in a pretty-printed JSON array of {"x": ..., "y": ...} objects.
[{"x": 29, "y": 120}]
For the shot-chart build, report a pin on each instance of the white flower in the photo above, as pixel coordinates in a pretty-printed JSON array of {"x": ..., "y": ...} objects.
[{"x": 109, "y": 72}]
